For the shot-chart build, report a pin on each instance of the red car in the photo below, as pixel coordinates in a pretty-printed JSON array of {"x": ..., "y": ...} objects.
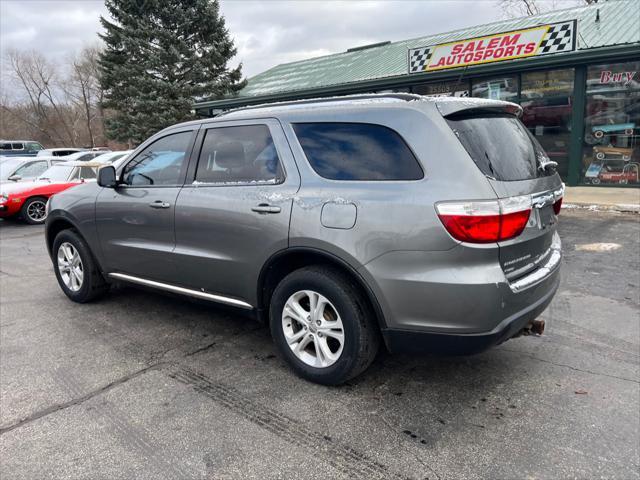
[{"x": 29, "y": 199}]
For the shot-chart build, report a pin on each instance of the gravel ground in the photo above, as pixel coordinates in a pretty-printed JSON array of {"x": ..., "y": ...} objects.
[{"x": 143, "y": 385}]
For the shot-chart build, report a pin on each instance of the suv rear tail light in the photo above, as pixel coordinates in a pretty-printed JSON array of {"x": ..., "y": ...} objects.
[
  {"x": 485, "y": 221},
  {"x": 557, "y": 206}
]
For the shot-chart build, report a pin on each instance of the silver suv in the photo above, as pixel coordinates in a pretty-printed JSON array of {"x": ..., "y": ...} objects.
[{"x": 424, "y": 224}]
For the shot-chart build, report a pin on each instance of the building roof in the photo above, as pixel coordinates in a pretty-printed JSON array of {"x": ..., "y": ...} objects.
[{"x": 618, "y": 24}]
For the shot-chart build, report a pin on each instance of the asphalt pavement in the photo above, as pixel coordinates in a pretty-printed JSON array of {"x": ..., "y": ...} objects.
[{"x": 148, "y": 386}]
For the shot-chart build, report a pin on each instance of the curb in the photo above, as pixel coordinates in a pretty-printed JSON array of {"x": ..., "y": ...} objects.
[{"x": 622, "y": 208}]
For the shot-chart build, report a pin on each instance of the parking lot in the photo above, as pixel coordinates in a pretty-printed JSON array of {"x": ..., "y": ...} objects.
[{"x": 144, "y": 385}]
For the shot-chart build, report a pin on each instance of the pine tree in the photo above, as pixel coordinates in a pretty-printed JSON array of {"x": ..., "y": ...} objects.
[{"x": 159, "y": 56}]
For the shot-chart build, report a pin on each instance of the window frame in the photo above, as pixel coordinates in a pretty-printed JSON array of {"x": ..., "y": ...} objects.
[
  {"x": 359, "y": 182},
  {"x": 184, "y": 169},
  {"x": 197, "y": 151}
]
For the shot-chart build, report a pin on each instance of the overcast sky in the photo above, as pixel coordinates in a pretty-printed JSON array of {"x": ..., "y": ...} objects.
[{"x": 266, "y": 33}]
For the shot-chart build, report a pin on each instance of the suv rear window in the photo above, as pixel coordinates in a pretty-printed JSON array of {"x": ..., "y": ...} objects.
[
  {"x": 501, "y": 146},
  {"x": 357, "y": 151}
]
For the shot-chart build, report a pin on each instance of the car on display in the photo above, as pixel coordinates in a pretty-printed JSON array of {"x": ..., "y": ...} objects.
[
  {"x": 425, "y": 224},
  {"x": 59, "y": 152},
  {"x": 19, "y": 169},
  {"x": 601, "y": 152},
  {"x": 28, "y": 199},
  {"x": 22, "y": 148}
]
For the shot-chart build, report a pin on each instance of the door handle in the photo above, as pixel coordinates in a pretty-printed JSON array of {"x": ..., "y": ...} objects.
[
  {"x": 265, "y": 208},
  {"x": 159, "y": 204}
]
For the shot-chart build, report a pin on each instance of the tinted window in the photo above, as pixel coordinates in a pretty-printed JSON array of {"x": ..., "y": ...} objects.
[
  {"x": 357, "y": 151},
  {"x": 161, "y": 163},
  {"x": 501, "y": 146},
  {"x": 5, "y": 146},
  {"x": 34, "y": 147},
  {"x": 17, "y": 146},
  {"x": 31, "y": 169},
  {"x": 239, "y": 155}
]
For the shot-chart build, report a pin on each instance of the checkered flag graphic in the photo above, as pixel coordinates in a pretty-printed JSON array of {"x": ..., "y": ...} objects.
[
  {"x": 559, "y": 38},
  {"x": 419, "y": 58}
]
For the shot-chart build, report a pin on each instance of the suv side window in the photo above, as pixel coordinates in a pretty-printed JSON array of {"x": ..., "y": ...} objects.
[
  {"x": 17, "y": 146},
  {"x": 242, "y": 154},
  {"x": 161, "y": 163},
  {"x": 357, "y": 151}
]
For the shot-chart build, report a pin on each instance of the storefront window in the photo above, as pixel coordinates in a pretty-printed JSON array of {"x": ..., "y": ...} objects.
[
  {"x": 547, "y": 99},
  {"x": 611, "y": 152},
  {"x": 503, "y": 88},
  {"x": 443, "y": 89}
]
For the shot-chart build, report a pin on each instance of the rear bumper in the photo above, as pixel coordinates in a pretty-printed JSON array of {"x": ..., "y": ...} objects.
[
  {"x": 457, "y": 301},
  {"x": 415, "y": 341}
]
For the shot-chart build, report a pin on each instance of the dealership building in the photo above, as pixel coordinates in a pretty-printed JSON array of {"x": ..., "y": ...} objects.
[{"x": 575, "y": 72}]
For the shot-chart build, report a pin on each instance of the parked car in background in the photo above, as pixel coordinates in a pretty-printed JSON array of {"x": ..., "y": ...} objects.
[
  {"x": 23, "y": 148},
  {"x": 59, "y": 152},
  {"x": 19, "y": 169},
  {"x": 426, "y": 223},
  {"x": 83, "y": 156},
  {"x": 28, "y": 199},
  {"x": 112, "y": 157}
]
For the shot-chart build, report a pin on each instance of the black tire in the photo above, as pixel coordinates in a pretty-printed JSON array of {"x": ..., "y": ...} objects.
[
  {"x": 30, "y": 207},
  {"x": 361, "y": 334},
  {"x": 93, "y": 284}
]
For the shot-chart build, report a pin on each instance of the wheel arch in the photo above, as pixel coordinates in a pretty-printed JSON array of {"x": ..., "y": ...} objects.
[
  {"x": 286, "y": 261},
  {"x": 54, "y": 226}
]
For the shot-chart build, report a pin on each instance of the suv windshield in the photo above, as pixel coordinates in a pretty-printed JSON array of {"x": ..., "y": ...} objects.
[{"x": 501, "y": 146}]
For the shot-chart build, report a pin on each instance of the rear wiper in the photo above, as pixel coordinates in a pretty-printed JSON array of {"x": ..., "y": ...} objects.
[{"x": 550, "y": 163}]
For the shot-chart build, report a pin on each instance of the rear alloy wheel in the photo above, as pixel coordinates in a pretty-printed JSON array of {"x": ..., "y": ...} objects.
[
  {"x": 34, "y": 210},
  {"x": 313, "y": 329},
  {"x": 322, "y": 325}
]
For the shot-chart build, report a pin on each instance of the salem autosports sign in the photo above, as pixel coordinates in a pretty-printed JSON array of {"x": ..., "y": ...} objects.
[{"x": 531, "y": 42}]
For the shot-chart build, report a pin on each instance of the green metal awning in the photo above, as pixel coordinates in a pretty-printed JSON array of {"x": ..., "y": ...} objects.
[{"x": 606, "y": 30}]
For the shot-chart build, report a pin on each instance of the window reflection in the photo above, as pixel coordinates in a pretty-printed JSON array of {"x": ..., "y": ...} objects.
[
  {"x": 547, "y": 103},
  {"x": 611, "y": 154}
]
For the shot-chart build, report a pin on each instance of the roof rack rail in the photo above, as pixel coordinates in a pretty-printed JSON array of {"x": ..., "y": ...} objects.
[{"x": 407, "y": 97}]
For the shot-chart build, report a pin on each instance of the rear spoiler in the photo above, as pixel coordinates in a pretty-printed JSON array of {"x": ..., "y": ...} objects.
[{"x": 450, "y": 106}]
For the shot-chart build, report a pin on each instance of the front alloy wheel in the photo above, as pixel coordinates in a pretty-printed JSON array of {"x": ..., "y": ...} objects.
[
  {"x": 313, "y": 329},
  {"x": 70, "y": 266},
  {"x": 76, "y": 270}
]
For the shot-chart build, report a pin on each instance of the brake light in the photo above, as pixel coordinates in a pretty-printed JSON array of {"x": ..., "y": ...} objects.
[
  {"x": 485, "y": 222},
  {"x": 557, "y": 206}
]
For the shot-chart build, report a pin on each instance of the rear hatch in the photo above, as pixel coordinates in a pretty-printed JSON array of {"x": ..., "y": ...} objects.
[{"x": 517, "y": 168}]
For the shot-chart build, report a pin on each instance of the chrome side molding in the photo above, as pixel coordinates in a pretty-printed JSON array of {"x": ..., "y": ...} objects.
[{"x": 181, "y": 290}]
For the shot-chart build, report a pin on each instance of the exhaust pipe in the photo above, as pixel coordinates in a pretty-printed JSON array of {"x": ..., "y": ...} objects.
[
  {"x": 534, "y": 327},
  {"x": 537, "y": 327}
]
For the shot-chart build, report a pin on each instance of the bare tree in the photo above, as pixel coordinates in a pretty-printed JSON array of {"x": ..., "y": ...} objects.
[
  {"x": 83, "y": 89},
  {"x": 56, "y": 104},
  {"x": 525, "y": 8},
  {"x": 38, "y": 80}
]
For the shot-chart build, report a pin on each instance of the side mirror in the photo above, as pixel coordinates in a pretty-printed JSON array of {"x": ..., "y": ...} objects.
[
  {"x": 15, "y": 178},
  {"x": 107, "y": 177}
]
